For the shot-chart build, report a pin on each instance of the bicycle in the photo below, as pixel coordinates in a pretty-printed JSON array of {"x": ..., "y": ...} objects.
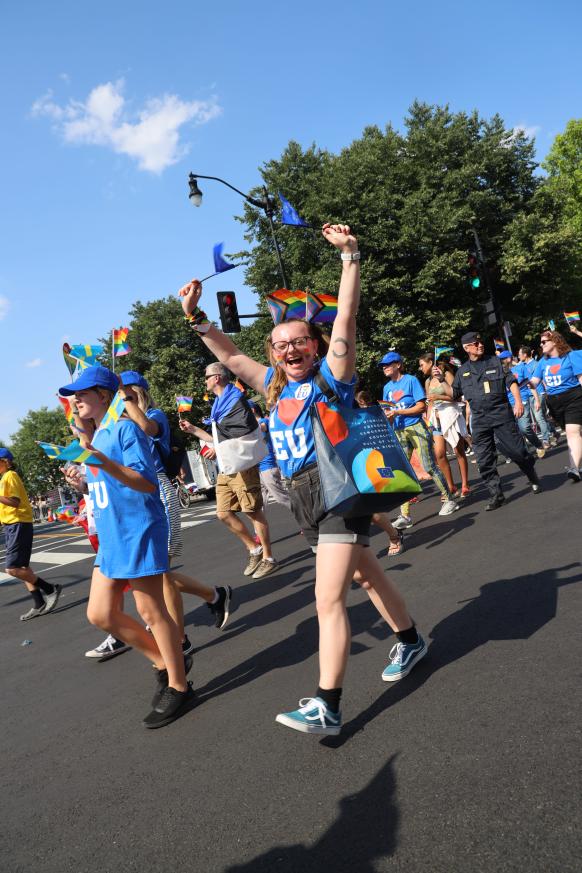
[{"x": 184, "y": 496}]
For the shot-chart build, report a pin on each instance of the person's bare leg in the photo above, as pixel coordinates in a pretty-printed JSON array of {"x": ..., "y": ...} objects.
[
  {"x": 25, "y": 574},
  {"x": 174, "y": 605},
  {"x": 237, "y": 527},
  {"x": 440, "y": 454},
  {"x": 259, "y": 519},
  {"x": 189, "y": 585},
  {"x": 104, "y": 610},
  {"x": 381, "y": 520},
  {"x": 335, "y": 567},
  {"x": 382, "y": 591},
  {"x": 574, "y": 439},
  {"x": 149, "y": 599},
  {"x": 463, "y": 464}
]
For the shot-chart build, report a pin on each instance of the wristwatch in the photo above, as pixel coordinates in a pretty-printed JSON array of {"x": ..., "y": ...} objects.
[{"x": 350, "y": 256}]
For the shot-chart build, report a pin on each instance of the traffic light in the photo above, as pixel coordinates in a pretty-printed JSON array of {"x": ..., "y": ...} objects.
[
  {"x": 474, "y": 271},
  {"x": 228, "y": 311}
]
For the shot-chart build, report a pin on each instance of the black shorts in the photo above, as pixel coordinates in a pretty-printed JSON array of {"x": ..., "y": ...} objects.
[
  {"x": 319, "y": 526},
  {"x": 566, "y": 407},
  {"x": 18, "y": 544}
]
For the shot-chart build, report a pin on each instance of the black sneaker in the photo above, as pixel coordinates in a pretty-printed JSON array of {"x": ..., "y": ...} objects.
[
  {"x": 221, "y": 608},
  {"x": 495, "y": 503},
  {"x": 187, "y": 646},
  {"x": 52, "y": 599},
  {"x": 162, "y": 677},
  {"x": 170, "y": 706}
]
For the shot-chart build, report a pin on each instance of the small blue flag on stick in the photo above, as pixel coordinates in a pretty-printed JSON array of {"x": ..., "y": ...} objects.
[
  {"x": 289, "y": 214},
  {"x": 220, "y": 264}
]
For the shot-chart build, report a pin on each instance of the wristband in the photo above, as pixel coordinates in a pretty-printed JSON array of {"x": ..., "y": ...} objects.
[
  {"x": 198, "y": 321},
  {"x": 350, "y": 256}
]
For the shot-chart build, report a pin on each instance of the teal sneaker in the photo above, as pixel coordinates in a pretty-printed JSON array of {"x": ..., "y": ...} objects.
[
  {"x": 312, "y": 717},
  {"x": 403, "y": 657}
]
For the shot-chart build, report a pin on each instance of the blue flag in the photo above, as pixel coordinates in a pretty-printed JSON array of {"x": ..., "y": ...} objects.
[
  {"x": 289, "y": 214},
  {"x": 220, "y": 265}
]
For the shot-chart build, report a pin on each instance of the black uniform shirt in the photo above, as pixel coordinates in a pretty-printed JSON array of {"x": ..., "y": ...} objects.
[{"x": 484, "y": 384}]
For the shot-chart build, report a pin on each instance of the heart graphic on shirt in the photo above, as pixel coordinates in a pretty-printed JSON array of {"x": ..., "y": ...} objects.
[
  {"x": 288, "y": 409},
  {"x": 555, "y": 368},
  {"x": 397, "y": 395}
]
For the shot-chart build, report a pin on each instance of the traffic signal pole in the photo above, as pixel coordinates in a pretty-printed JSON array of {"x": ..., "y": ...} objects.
[{"x": 499, "y": 320}]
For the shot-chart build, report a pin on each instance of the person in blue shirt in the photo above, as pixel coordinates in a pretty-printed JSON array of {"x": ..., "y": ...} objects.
[
  {"x": 133, "y": 536},
  {"x": 269, "y": 473},
  {"x": 538, "y": 402},
  {"x": 524, "y": 422},
  {"x": 561, "y": 371},
  {"x": 407, "y": 402},
  {"x": 297, "y": 351}
]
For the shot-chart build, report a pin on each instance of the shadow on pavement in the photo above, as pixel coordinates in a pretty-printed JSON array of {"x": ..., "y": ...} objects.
[{"x": 365, "y": 830}]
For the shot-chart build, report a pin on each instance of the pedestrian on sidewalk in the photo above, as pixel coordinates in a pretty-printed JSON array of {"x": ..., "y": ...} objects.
[
  {"x": 525, "y": 421},
  {"x": 300, "y": 360},
  {"x": 16, "y": 521}
]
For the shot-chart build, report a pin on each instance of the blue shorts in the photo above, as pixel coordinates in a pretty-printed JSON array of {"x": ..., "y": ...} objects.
[{"x": 18, "y": 544}]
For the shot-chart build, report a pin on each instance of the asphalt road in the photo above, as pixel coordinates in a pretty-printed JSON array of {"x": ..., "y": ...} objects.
[{"x": 470, "y": 764}]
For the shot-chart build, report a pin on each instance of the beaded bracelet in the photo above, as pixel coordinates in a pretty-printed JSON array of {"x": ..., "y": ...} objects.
[{"x": 198, "y": 321}]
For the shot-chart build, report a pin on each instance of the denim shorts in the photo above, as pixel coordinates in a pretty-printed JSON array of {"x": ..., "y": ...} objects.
[{"x": 319, "y": 526}]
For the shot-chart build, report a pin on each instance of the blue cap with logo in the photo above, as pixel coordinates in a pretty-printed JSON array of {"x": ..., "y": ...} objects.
[
  {"x": 92, "y": 377},
  {"x": 390, "y": 358},
  {"x": 132, "y": 377},
  {"x": 5, "y": 454},
  {"x": 503, "y": 356}
]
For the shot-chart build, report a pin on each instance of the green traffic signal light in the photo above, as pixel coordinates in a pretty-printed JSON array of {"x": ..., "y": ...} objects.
[{"x": 475, "y": 282}]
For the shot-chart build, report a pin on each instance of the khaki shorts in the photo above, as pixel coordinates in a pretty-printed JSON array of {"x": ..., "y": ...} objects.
[{"x": 239, "y": 492}]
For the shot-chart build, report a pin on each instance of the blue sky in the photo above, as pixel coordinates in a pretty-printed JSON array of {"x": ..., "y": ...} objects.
[{"x": 106, "y": 108}]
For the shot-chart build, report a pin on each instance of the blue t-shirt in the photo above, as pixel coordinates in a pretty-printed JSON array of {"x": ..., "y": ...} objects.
[
  {"x": 560, "y": 374},
  {"x": 132, "y": 527},
  {"x": 290, "y": 423},
  {"x": 530, "y": 369},
  {"x": 520, "y": 371},
  {"x": 161, "y": 442},
  {"x": 404, "y": 393},
  {"x": 269, "y": 461}
]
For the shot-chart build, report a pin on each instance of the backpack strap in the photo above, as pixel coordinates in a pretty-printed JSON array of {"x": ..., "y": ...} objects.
[{"x": 324, "y": 386}]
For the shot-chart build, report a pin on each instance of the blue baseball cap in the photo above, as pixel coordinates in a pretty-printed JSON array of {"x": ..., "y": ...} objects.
[
  {"x": 132, "y": 377},
  {"x": 503, "y": 356},
  {"x": 390, "y": 358},
  {"x": 92, "y": 377},
  {"x": 5, "y": 455}
]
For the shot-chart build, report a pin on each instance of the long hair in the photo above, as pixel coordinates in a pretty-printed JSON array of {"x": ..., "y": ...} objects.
[
  {"x": 562, "y": 346},
  {"x": 279, "y": 380},
  {"x": 144, "y": 399}
]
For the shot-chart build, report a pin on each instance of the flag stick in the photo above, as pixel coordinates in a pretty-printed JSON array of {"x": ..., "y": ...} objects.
[{"x": 113, "y": 349}]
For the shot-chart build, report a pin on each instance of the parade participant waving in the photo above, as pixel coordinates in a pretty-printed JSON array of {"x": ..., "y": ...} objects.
[
  {"x": 297, "y": 351},
  {"x": 561, "y": 371},
  {"x": 407, "y": 402},
  {"x": 133, "y": 537},
  {"x": 16, "y": 520}
]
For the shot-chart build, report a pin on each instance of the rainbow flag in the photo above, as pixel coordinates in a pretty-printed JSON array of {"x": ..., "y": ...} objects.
[
  {"x": 572, "y": 317},
  {"x": 86, "y": 353},
  {"x": 442, "y": 350},
  {"x": 66, "y": 404},
  {"x": 65, "y": 513},
  {"x": 320, "y": 308},
  {"x": 74, "y": 452},
  {"x": 499, "y": 345},
  {"x": 284, "y": 304},
  {"x": 114, "y": 413},
  {"x": 120, "y": 344},
  {"x": 184, "y": 404}
]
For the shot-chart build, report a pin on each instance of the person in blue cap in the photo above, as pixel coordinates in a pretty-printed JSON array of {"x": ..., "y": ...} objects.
[
  {"x": 133, "y": 541},
  {"x": 407, "y": 402},
  {"x": 524, "y": 422},
  {"x": 16, "y": 521}
]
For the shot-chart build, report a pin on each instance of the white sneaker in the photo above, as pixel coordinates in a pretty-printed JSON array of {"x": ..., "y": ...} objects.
[
  {"x": 403, "y": 522},
  {"x": 448, "y": 507},
  {"x": 107, "y": 649},
  {"x": 573, "y": 474}
]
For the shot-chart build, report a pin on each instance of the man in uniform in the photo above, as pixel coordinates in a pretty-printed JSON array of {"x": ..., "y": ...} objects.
[{"x": 483, "y": 383}]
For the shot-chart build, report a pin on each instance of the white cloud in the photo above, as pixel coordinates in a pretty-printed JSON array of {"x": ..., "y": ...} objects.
[
  {"x": 528, "y": 131},
  {"x": 151, "y": 137},
  {"x": 36, "y": 362},
  {"x": 4, "y": 306}
]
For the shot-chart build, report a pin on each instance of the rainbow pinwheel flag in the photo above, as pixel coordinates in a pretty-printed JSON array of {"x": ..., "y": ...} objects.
[
  {"x": 114, "y": 413},
  {"x": 572, "y": 317},
  {"x": 284, "y": 304},
  {"x": 74, "y": 452},
  {"x": 65, "y": 513},
  {"x": 66, "y": 404},
  {"x": 184, "y": 404},
  {"x": 120, "y": 344},
  {"x": 442, "y": 350},
  {"x": 499, "y": 345},
  {"x": 86, "y": 353},
  {"x": 320, "y": 308}
]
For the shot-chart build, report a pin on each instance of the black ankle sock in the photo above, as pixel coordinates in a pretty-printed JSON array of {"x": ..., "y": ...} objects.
[
  {"x": 408, "y": 636},
  {"x": 37, "y": 597},
  {"x": 331, "y": 696},
  {"x": 44, "y": 586}
]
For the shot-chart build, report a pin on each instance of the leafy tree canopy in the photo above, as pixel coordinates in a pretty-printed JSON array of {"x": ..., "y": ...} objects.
[{"x": 39, "y": 473}]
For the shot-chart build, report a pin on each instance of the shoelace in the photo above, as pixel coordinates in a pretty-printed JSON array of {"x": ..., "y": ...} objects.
[
  {"x": 395, "y": 655},
  {"x": 306, "y": 704},
  {"x": 107, "y": 644}
]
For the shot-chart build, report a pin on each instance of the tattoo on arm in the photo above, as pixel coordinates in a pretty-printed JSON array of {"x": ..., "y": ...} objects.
[{"x": 343, "y": 351}]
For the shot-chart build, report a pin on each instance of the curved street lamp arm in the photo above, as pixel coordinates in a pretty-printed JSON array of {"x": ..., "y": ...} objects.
[{"x": 260, "y": 204}]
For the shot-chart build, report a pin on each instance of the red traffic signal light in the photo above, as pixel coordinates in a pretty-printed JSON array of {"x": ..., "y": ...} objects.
[{"x": 227, "y": 308}]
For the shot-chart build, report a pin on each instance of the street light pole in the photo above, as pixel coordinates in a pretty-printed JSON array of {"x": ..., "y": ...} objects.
[
  {"x": 267, "y": 205},
  {"x": 501, "y": 325}
]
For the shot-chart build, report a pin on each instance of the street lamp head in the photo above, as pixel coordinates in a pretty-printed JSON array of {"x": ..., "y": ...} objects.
[{"x": 195, "y": 195}]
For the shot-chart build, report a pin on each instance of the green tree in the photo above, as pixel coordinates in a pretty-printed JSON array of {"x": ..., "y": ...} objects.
[
  {"x": 564, "y": 168},
  {"x": 39, "y": 473}
]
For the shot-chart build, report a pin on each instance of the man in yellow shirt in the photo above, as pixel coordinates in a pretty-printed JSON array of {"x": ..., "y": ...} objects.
[{"x": 16, "y": 520}]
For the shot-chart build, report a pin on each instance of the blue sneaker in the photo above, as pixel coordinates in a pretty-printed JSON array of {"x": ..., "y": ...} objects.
[
  {"x": 403, "y": 657},
  {"x": 312, "y": 717}
]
